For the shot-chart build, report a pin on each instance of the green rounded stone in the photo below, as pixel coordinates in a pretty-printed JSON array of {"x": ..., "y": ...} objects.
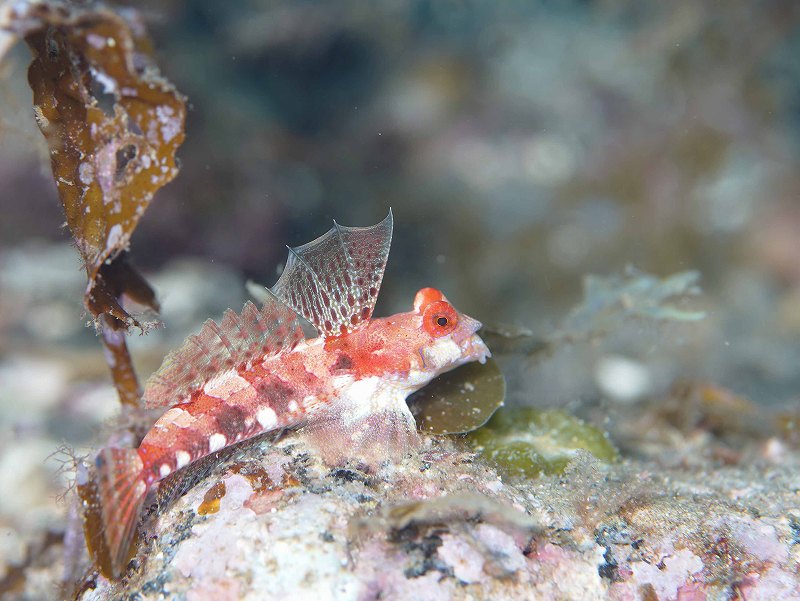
[{"x": 527, "y": 442}]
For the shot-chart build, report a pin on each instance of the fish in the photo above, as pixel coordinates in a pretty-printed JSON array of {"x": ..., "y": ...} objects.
[{"x": 255, "y": 372}]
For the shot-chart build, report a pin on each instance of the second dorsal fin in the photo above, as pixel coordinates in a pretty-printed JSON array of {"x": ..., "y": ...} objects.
[
  {"x": 238, "y": 339},
  {"x": 334, "y": 280}
]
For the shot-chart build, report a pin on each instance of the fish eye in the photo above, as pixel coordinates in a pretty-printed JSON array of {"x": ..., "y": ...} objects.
[{"x": 439, "y": 318}]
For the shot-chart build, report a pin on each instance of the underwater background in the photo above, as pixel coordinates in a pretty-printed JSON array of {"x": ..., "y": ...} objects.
[{"x": 521, "y": 146}]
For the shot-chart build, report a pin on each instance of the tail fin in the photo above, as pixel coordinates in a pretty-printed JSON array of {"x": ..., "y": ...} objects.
[{"x": 112, "y": 502}]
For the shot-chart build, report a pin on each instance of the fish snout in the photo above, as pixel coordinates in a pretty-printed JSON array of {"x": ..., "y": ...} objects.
[
  {"x": 472, "y": 346},
  {"x": 470, "y": 325},
  {"x": 476, "y": 349}
]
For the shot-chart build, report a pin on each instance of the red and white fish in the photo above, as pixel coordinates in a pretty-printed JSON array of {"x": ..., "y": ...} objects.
[{"x": 255, "y": 373}]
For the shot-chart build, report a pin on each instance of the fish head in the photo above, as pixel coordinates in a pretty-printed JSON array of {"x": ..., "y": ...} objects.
[{"x": 446, "y": 337}]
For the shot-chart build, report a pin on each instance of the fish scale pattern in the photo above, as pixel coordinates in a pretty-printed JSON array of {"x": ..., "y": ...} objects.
[
  {"x": 238, "y": 340},
  {"x": 334, "y": 280}
]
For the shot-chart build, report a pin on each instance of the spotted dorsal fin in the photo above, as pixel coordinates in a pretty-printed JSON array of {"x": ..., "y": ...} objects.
[
  {"x": 239, "y": 339},
  {"x": 334, "y": 280}
]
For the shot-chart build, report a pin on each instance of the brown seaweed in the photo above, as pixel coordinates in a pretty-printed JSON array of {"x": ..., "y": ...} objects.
[{"x": 112, "y": 125}]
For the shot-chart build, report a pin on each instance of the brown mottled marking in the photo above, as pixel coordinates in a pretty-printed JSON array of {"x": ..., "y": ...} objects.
[
  {"x": 343, "y": 361},
  {"x": 230, "y": 421},
  {"x": 276, "y": 393}
]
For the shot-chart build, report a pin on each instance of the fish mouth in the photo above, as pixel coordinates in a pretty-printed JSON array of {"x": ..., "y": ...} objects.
[{"x": 476, "y": 350}]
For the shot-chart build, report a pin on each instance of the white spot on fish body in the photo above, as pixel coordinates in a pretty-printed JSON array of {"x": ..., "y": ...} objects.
[
  {"x": 182, "y": 458},
  {"x": 165, "y": 470},
  {"x": 267, "y": 418},
  {"x": 216, "y": 441}
]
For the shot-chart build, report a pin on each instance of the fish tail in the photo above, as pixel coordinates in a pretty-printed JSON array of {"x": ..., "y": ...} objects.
[{"x": 112, "y": 497}]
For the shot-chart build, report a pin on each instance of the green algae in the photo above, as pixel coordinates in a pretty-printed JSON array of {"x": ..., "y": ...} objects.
[{"x": 528, "y": 443}]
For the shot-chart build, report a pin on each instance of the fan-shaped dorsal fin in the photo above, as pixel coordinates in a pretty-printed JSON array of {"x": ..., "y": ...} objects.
[
  {"x": 238, "y": 339},
  {"x": 334, "y": 280}
]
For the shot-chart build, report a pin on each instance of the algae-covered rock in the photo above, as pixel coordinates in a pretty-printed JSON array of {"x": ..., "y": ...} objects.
[{"x": 528, "y": 442}]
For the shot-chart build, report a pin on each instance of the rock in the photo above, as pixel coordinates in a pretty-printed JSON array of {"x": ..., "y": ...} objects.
[{"x": 442, "y": 525}]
